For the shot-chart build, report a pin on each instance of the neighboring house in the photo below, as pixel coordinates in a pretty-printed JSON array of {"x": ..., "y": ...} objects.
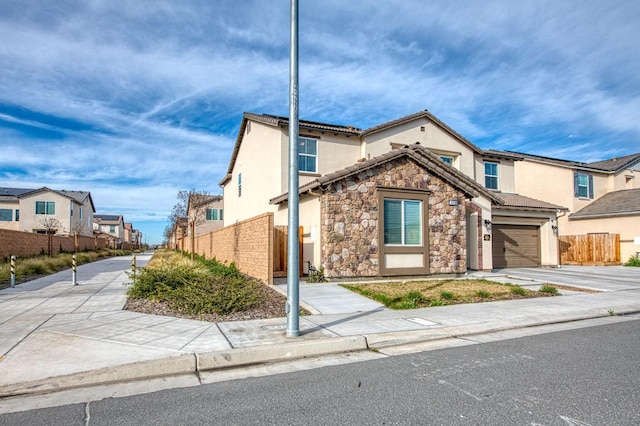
[
  {"x": 178, "y": 232},
  {"x": 602, "y": 197},
  {"x": 205, "y": 213},
  {"x": 407, "y": 197},
  {"x": 46, "y": 210},
  {"x": 136, "y": 238},
  {"x": 128, "y": 233},
  {"x": 110, "y": 225}
]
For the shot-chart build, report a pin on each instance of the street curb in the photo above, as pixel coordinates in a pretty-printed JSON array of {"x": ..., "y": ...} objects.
[
  {"x": 182, "y": 364},
  {"x": 279, "y": 352}
]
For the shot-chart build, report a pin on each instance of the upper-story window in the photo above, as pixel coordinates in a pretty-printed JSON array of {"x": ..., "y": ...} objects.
[
  {"x": 447, "y": 159},
  {"x": 214, "y": 214},
  {"x": 491, "y": 175},
  {"x": 583, "y": 185},
  {"x": 239, "y": 184},
  {"x": 308, "y": 155},
  {"x": 45, "y": 207},
  {"x": 112, "y": 229}
]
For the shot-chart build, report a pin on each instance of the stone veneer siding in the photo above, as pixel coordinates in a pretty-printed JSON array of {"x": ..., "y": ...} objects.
[{"x": 350, "y": 227}]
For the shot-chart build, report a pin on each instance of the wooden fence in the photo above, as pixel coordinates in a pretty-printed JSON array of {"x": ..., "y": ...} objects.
[
  {"x": 590, "y": 249},
  {"x": 280, "y": 253}
]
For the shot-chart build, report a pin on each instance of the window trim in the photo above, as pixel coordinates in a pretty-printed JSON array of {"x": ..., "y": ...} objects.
[
  {"x": 10, "y": 216},
  {"x": 423, "y": 249},
  {"x": 314, "y": 156},
  {"x": 577, "y": 186},
  {"x": 46, "y": 205},
  {"x": 496, "y": 176}
]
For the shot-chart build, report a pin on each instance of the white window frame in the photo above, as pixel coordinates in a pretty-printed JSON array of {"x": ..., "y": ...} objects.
[
  {"x": 307, "y": 155},
  {"x": 491, "y": 176}
]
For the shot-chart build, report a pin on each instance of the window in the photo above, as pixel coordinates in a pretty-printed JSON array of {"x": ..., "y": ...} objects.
[
  {"x": 45, "y": 207},
  {"x": 447, "y": 159},
  {"x": 402, "y": 222},
  {"x": 17, "y": 215},
  {"x": 5, "y": 215},
  {"x": 491, "y": 175},
  {"x": 239, "y": 184},
  {"x": 212, "y": 214},
  {"x": 221, "y": 216},
  {"x": 80, "y": 213},
  {"x": 71, "y": 209},
  {"x": 583, "y": 185},
  {"x": 307, "y": 155},
  {"x": 112, "y": 229}
]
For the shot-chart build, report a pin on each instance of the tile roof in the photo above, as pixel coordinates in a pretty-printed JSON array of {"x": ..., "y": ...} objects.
[
  {"x": 13, "y": 192},
  {"x": 618, "y": 203},
  {"x": 616, "y": 164},
  {"x": 278, "y": 121},
  {"x": 510, "y": 200},
  {"x": 418, "y": 153}
]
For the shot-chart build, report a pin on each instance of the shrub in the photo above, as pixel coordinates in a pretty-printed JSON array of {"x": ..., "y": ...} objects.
[
  {"x": 316, "y": 276},
  {"x": 484, "y": 294},
  {"x": 447, "y": 295},
  {"x": 633, "y": 261},
  {"x": 518, "y": 291},
  {"x": 199, "y": 287},
  {"x": 546, "y": 288}
]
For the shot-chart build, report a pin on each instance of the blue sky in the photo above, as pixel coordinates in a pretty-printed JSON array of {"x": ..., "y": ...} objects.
[{"x": 134, "y": 101}]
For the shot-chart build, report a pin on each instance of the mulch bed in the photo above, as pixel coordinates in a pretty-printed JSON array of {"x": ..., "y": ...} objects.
[{"x": 272, "y": 306}]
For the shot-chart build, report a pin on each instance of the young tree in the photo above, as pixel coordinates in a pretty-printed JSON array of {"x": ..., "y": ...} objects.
[
  {"x": 51, "y": 226},
  {"x": 180, "y": 210}
]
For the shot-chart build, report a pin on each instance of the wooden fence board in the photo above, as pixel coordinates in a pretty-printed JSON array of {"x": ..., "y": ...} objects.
[{"x": 590, "y": 249}]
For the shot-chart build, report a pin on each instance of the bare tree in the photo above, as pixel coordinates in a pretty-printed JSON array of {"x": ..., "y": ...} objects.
[
  {"x": 51, "y": 226},
  {"x": 180, "y": 212}
]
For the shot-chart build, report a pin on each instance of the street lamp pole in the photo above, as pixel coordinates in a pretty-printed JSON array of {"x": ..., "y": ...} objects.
[{"x": 293, "y": 273}]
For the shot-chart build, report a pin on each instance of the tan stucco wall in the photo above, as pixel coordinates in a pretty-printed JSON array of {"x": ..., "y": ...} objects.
[
  {"x": 627, "y": 226},
  {"x": 13, "y": 206},
  {"x": 506, "y": 173},
  {"x": 433, "y": 138},
  {"x": 30, "y": 221},
  {"x": 259, "y": 161}
]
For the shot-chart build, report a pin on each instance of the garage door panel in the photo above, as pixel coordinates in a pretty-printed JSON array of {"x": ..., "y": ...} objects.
[{"x": 516, "y": 246}]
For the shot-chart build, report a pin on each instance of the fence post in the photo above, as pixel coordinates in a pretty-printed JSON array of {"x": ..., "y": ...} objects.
[
  {"x": 13, "y": 271},
  {"x": 133, "y": 268},
  {"x": 73, "y": 269}
]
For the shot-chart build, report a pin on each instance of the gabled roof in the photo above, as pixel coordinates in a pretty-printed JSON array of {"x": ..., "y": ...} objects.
[
  {"x": 78, "y": 196},
  {"x": 198, "y": 200},
  {"x": 612, "y": 165},
  {"x": 510, "y": 200},
  {"x": 416, "y": 152},
  {"x": 613, "y": 204},
  {"x": 13, "y": 192},
  {"x": 422, "y": 114},
  {"x": 276, "y": 121},
  {"x": 108, "y": 219},
  {"x": 617, "y": 164}
]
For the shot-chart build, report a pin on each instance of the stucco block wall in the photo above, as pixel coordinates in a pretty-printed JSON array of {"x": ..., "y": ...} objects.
[
  {"x": 351, "y": 228},
  {"x": 248, "y": 244},
  {"x": 25, "y": 244}
]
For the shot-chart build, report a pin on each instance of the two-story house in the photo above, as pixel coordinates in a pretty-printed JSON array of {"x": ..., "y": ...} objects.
[
  {"x": 602, "y": 196},
  {"x": 46, "y": 210},
  {"x": 407, "y": 197},
  {"x": 205, "y": 213},
  {"x": 111, "y": 226}
]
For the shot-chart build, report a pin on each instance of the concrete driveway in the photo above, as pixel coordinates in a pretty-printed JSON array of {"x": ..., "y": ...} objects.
[{"x": 602, "y": 278}]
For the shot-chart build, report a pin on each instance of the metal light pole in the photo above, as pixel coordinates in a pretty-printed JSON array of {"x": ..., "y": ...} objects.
[{"x": 293, "y": 273}]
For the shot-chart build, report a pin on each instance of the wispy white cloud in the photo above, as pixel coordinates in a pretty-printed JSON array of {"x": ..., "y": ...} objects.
[{"x": 144, "y": 98}]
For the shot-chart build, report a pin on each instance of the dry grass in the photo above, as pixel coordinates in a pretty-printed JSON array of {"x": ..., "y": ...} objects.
[{"x": 419, "y": 294}]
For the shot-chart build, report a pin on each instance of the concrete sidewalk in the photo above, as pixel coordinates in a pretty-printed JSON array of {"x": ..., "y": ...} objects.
[{"x": 56, "y": 336}]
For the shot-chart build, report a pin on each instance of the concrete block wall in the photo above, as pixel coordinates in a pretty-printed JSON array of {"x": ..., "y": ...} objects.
[
  {"x": 26, "y": 244},
  {"x": 248, "y": 244}
]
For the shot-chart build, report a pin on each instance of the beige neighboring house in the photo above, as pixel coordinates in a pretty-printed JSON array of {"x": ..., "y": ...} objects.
[
  {"x": 45, "y": 210},
  {"x": 110, "y": 226},
  {"x": 178, "y": 232},
  {"x": 602, "y": 197},
  {"x": 205, "y": 213},
  {"x": 407, "y": 197}
]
